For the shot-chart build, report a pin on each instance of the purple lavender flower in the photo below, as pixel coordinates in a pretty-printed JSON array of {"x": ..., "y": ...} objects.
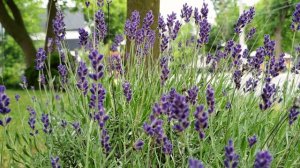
[
  {"x": 175, "y": 30},
  {"x": 164, "y": 70},
  {"x": 194, "y": 163},
  {"x": 192, "y": 95},
  {"x": 83, "y": 37},
  {"x": 98, "y": 67},
  {"x": 59, "y": 26},
  {"x": 105, "y": 141},
  {"x": 197, "y": 16},
  {"x": 82, "y": 82},
  {"x": 118, "y": 39},
  {"x": 115, "y": 63},
  {"x": 252, "y": 140},
  {"x": 42, "y": 79},
  {"x": 237, "y": 77},
  {"x": 204, "y": 10},
  {"x": 76, "y": 126},
  {"x": 267, "y": 95},
  {"x": 148, "y": 20},
  {"x": 251, "y": 84},
  {"x": 229, "y": 47},
  {"x": 245, "y": 53},
  {"x": 244, "y": 19},
  {"x": 295, "y": 26},
  {"x": 231, "y": 158},
  {"x": 251, "y": 33},
  {"x": 62, "y": 70},
  {"x": 100, "y": 25},
  {"x": 269, "y": 45},
  {"x": 17, "y": 97},
  {"x": 4, "y": 106},
  {"x": 205, "y": 28},
  {"x": 210, "y": 99},
  {"x": 40, "y": 59},
  {"x": 132, "y": 25},
  {"x": 55, "y": 162},
  {"x": 138, "y": 145},
  {"x": 263, "y": 160},
  {"x": 161, "y": 25},
  {"x": 186, "y": 12},
  {"x": 180, "y": 112},
  {"x": 32, "y": 120},
  {"x": 201, "y": 120},
  {"x": 97, "y": 96},
  {"x": 45, "y": 120},
  {"x": 164, "y": 43},
  {"x": 294, "y": 113},
  {"x": 127, "y": 91},
  {"x": 87, "y": 3},
  {"x": 167, "y": 146},
  {"x": 170, "y": 21}
]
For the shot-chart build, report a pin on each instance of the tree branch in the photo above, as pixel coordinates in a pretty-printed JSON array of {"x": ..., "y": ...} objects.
[{"x": 16, "y": 12}]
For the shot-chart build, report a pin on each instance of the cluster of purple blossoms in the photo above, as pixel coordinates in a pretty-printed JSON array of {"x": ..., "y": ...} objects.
[
  {"x": 115, "y": 63},
  {"x": 164, "y": 43},
  {"x": 210, "y": 99},
  {"x": 98, "y": 67},
  {"x": 269, "y": 46},
  {"x": 204, "y": 10},
  {"x": 155, "y": 130},
  {"x": 186, "y": 12},
  {"x": 192, "y": 95},
  {"x": 251, "y": 33},
  {"x": 164, "y": 70},
  {"x": 83, "y": 37},
  {"x": 245, "y": 53},
  {"x": 263, "y": 160},
  {"x": 228, "y": 47},
  {"x": 82, "y": 82},
  {"x": 194, "y": 163},
  {"x": 180, "y": 112},
  {"x": 295, "y": 26},
  {"x": 117, "y": 41},
  {"x": 62, "y": 70},
  {"x": 173, "y": 26},
  {"x": 55, "y": 162},
  {"x": 138, "y": 145},
  {"x": 201, "y": 121},
  {"x": 17, "y": 97},
  {"x": 244, "y": 19},
  {"x": 268, "y": 95},
  {"x": 4, "y": 106},
  {"x": 87, "y": 3},
  {"x": 161, "y": 26},
  {"x": 257, "y": 60},
  {"x": 45, "y": 120},
  {"x": 105, "y": 141},
  {"x": 277, "y": 66},
  {"x": 97, "y": 96},
  {"x": 32, "y": 120},
  {"x": 296, "y": 68},
  {"x": 59, "y": 26},
  {"x": 63, "y": 123},
  {"x": 252, "y": 140},
  {"x": 132, "y": 25},
  {"x": 76, "y": 126},
  {"x": 148, "y": 20},
  {"x": 236, "y": 55},
  {"x": 294, "y": 113},
  {"x": 251, "y": 84},
  {"x": 42, "y": 79},
  {"x": 205, "y": 28},
  {"x": 127, "y": 91},
  {"x": 231, "y": 158},
  {"x": 100, "y": 25},
  {"x": 40, "y": 59},
  {"x": 237, "y": 77}
]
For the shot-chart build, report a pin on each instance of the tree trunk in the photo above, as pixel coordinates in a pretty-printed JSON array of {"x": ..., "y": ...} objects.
[
  {"x": 51, "y": 12},
  {"x": 143, "y": 6},
  {"x": 278, "y": 39},
  {"x": 16, "y": 28}
]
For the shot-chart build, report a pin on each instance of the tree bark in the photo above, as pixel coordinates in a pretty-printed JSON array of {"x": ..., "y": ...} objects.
[
  {"x": 16, "y": 28},
  {"x": 51, "y": 12},
  {"x": 143, "y": 6}
]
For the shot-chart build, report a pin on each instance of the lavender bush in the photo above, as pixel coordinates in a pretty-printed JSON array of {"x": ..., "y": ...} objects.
[{"x": 132, "y": 109}]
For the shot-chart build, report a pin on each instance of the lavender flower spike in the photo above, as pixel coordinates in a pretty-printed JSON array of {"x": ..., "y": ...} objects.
[
  {"x": 45, "y": 120},
  {"x": 295, "y": 26},
  {"x": 210, "y": 99},
  {"x": 32, "y": 121},
  {"x": 252, "y": 140},
  {"x": 194, "y": 163},
  {"x": 127, "y": 91},
  {"x": 263, "y": 160},
  {"x": 244, "y": 19},
  {"x": 186, "y": 12},
  {"x": 100, "y": 25},
  {"x": 138, "y": 145},
  {"x": 59, "y": 26},
  {"x": 98, "y": 67},
  {"x": 82, "y": 82},
  {"x": 231, "y": 158},
  {"x": 192, "y": 95},
  {"x": 4, "y": 106},
  {"x": 40, "y": 59},
  {"x": 55, "y": 162},
  {"x": 62, "y": 69},
  {"x": 201, "y": 120},
  {"x": 83, "y": 37}
]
